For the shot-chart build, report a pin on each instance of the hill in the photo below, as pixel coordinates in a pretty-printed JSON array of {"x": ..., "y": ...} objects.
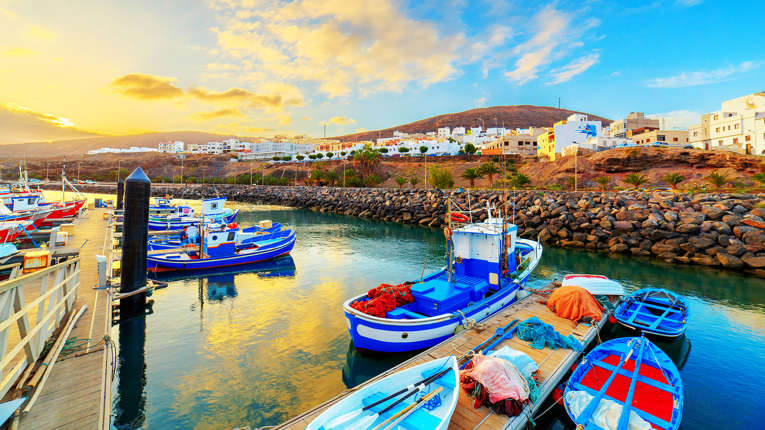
[
  {"x": 78, "y": 147},
  {"x": 520, "y": 116}
]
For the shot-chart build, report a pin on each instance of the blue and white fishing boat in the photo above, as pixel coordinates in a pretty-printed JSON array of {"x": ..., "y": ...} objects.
[
  {"x": 422, "y": 397},
  {"x": 213, "y": 210},
  {"x": 625, "y": 384},
  {"x": 219, "y": 249},
  {"x": 165, "y": 206},
  {"x": 654, "y": 311},
  {"x": 487, "y": 265},
  {"x": 244, "y": 238}
]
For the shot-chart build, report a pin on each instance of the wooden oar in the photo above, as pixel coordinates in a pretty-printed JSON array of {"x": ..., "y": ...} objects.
[
  {"x": 403, "y": 413},
  {"x": 369, "y": 419}
]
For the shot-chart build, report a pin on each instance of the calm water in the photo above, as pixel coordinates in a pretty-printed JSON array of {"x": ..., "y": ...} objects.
[{"x": 256, "y": 348}]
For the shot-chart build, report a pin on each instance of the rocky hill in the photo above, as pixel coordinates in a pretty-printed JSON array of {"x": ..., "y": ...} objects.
[{"x": 520, "y": 116}]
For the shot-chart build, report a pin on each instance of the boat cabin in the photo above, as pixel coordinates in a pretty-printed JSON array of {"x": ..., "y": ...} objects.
[
  {"x": 220, "y": 243},
  {"x": 214, "y": 206},
  {"x": 477, "y": 268},
  {"x": 23, "y": 203}
]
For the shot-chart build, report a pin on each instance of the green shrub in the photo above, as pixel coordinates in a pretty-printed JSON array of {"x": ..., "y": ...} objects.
[{"x": 440, "y": 177}]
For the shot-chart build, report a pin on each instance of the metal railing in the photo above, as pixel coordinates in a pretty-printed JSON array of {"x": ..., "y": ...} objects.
[{"x": 57, "y": 286}]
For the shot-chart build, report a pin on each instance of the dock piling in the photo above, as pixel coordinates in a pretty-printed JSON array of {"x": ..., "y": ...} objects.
[
  {"x": 134, "y": 243},
  {"x": 120, "y": 193}
]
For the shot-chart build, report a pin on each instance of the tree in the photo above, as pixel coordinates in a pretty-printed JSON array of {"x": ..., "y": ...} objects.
[
  {"x": 276, "y": 158},
  {"x": 319, "y": 155},
  {"x": 440, "y": 177},
  {"x": 330, "y": 154},
  {"x": 423, "y": 149},
  {"x": 759, "y": 177},
  {"x": 470, "y": 148},
  {"x": 312, "y": 156},
  {"x": 673, "y": 179},
  {"x": 571, "y": 182},
  {"x": 343, "y": 153},
  {"x": 635, "y": 179},
  {"x": 413, "y": 181},
  {"x": 471, "y": 175},
  {"x": 287, "y": 158},
  {"x": 717, "y": 179},
  {"x": 403, "y": 149},
  {"x": 300, "y": 157},
  {"x": 489, "y": 169},
  {"x": 367, "y": 159},
  {"x": 384, "y": 150},
  {"x": 400, "y": 180},
  {"x": 520, "y": 180},
  {"x": 604, "y": 182}
]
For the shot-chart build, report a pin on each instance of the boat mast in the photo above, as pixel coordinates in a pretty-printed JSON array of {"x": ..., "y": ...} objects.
[
  {"x": 63, "y": 186},
  {"x": 449, "y": 239}
]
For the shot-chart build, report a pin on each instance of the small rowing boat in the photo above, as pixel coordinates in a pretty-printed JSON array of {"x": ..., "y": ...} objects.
[
  {"x": 654, "y": 311},
  {"x": 625, "y": 384},
  {"x": 597, "y": 285},
  {"x": 421, "y": 397}
]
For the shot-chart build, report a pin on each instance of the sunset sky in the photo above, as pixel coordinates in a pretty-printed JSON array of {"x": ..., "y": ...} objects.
[{"x": 249, "y": 67}]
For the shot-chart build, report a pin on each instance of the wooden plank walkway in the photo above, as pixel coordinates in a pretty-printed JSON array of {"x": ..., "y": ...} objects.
[
  {"x": 553, "y": 365},
  {"x": 78, "y": 393}
]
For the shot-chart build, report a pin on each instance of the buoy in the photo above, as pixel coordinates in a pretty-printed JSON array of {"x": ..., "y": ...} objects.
[
  {"x": 232, "y": 226},
  {"x": 611, "y": 319}
]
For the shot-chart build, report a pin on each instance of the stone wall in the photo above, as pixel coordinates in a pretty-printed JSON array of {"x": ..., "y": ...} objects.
[{"x": 723, "y": 230}]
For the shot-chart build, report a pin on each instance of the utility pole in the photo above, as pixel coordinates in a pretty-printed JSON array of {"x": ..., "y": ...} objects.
[
  {"x": 78, "y": 171},
  {"x": 576, "y": 169},
  {"x": 46, "y": 171},
  {"x": 118, "y": 170},
  {"x": 250, "y": 173},
  {"x": 182, "y": 169}
]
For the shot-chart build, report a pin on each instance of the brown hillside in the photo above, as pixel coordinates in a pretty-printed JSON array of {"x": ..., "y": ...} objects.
[{"x": 521, "y": 116}]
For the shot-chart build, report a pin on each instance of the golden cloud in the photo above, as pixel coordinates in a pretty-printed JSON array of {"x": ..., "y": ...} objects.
[
  {"x": 22, "y": 124},
  {"x": 19, "y": 52},
  {"x": 146, "y": 87},
  {"x": 341, "y": 120},
  {"x": 39, "y": 32},
  {"x": 221, "y": 113},
  {"x": 238, "y": 95}
]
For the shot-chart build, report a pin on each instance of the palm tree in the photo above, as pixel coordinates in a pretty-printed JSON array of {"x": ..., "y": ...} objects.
[
  {"x": 717, "y": 179},
  {"x": 471, "y": 175},
  {"x": 635, "y": 179},
  {"x": 401, "y": 181},
  {"x": 673, "y": 179},
  {"x": 604, "y": 182},
  {"x": 489, "y": 169}
]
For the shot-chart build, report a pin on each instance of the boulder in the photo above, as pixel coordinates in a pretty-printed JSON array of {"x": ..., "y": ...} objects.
[
  {"x": 700, "y": 242},
  {"x": 687, "y": 228},
  {"x": 712, "y": 212},
  {"x": 619, "y": 248},
  {"x": 753, "y": 260},
  {"x": 622, "y": 225}
]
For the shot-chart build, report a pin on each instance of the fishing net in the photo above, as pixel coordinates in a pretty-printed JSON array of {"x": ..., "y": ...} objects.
[
  {"x": 497, "y": 384},
  {"x": 541, "y": 334},
  {"x": 384, "y": 298}
]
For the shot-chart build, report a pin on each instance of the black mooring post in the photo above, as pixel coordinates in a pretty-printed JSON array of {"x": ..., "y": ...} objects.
[
  {"x": 120, "y": 193},
  {"x": 135, "y": 232}
]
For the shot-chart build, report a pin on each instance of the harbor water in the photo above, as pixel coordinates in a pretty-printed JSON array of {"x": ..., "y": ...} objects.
[{"x": 225, "y": 350}]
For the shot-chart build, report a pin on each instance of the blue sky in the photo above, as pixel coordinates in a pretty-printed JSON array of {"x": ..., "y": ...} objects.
[{"x": 254, "y": 67}]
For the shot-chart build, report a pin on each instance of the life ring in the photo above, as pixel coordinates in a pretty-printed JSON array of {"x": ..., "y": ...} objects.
[
  {"x": 232, "y": 226},
  {"x": 458, "y": 217},
  {"x": 447, "y": 233}
]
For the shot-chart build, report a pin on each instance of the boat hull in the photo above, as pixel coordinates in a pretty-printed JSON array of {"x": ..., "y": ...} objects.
[
  {"x": 652, "y": 317},
  {"x": 399, "y": 335},
  {"x": 161, "y": 263}
]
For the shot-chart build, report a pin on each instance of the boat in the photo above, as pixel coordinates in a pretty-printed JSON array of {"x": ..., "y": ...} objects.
[
  {"x": 440, "y": 376},
  {"x": 165, "y": 206},
  {"x": 625, "y": 383},
  {"x": 654, "y": 311},
  {"x": 597, "y": 285},
  {"x": 219, "y": 250},
  {"x": 213, "y": 210},
  {"x": 487, "y": 265},
  {"x": 244, "y": 238}
]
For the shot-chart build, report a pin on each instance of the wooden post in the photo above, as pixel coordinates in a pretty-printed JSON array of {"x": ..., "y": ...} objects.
[{"x": 134, "y": 242}]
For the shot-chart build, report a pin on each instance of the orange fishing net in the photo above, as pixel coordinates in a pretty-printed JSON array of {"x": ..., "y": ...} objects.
[{"x": 574, "y": 303}]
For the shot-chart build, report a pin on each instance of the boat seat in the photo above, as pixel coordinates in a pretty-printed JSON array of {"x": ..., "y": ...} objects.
[
  {"x": 656, "y": 421},
  {"x": 403, "y": 313},
  {"x": 419, "y": 419},
  {"x": 648, "y": 381}
]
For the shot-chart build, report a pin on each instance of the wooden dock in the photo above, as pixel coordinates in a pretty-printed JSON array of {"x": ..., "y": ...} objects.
[
  {"x": 553, "y": 365},
  {"x": 77, "y": 395}
]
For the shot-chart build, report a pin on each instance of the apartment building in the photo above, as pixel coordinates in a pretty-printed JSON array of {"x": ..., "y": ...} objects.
[
  {"x": 575, "y": 129},
  {"x": 648, "y": 135},
  {"x": 738, "y": 126},
  {"x": 523, "y": 142},
  {"x": 634, "y": 120},
  {"x": 175, "y": 146}
]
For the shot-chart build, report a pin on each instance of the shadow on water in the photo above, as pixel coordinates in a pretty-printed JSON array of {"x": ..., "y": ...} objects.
[
  {"x": 362, "y": 366},
  {"x": 130, "y": 401}
]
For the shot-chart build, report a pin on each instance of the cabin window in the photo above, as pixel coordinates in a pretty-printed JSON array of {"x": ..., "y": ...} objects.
[
  {"x": 231, "y": 235},
  {"x": 31, "y": 200},
  {"x": 214, "y": 206}
]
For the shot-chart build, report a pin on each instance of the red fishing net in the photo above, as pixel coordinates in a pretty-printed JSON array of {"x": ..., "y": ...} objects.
[{"x": 384, "y": 298}]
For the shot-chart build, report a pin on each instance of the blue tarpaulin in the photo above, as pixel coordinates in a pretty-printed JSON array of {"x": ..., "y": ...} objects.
[{"x": 541, "y": 334}]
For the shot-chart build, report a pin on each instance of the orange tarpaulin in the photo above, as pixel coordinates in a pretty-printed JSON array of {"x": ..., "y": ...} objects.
[{"x": 574, "y": 303}]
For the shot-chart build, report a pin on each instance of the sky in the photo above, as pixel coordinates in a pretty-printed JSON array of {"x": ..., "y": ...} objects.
[{"x": 258, "y": 68}]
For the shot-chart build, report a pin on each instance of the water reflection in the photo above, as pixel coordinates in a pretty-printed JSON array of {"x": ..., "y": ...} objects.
[
  {"x": 130, "y": 400},
  {"x": 362, "y": 366}
]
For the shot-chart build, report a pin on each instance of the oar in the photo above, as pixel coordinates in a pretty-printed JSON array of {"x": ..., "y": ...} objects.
[
  {"x": 402, "y": 414},
  {"x": 369, "y": 419}
]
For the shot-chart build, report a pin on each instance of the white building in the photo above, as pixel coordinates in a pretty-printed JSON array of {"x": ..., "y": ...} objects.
[
  {"x": 443, "y": 132},
  {"x": 458, "y": 133},
  {"x": 575, "y": 129},
  {"x": 738, "y": 126},
  {"x": 176, "y": 146},
  {"x": 634, "y": 120},
  {"x": 434, "y": 147},
  {"x": 601, "y": 143},
  {"x": 400, "y": 135},
  {"x": 267, "y": 150}
]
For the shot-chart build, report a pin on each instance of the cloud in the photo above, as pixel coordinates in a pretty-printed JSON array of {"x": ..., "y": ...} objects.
[
  {"x": 480, "y": 102},
  {"x": 238, "y": 95},
  {"x": 702, "y": 77},
  {"x": 687, "y": 3},
  {"x": 206, "y": 116},
  {"x": 360, "y": 130},
  {"x": 677, "y": 118},
  {"x": 553, "y": 30},
  {"x": 18, "y": 52},
  {"x": 341, "y": 120},
  {"x": 146, "y": 87},
  {"x": 614, "y": 74},
  {"x": 580, "y": 65},
  {"x": 343, "y": 47},
  {"x": 22, "y": 124},
  {"x": 10, "y": 15},
  {"x": 39, "y": 32}
]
